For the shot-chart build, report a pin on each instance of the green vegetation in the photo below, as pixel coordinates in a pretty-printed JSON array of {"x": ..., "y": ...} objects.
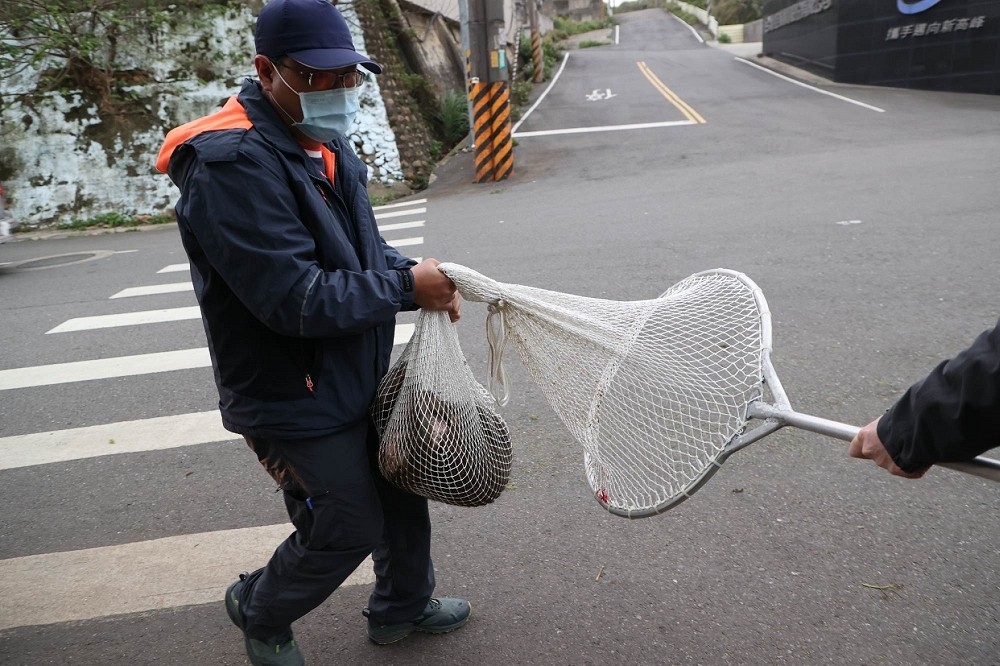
[
  {"x": 551, "y": 54},
  {"x": 453, "y": 114},
  {"x": 520, "y": 95},
  {"x": 690, "y": 19},
  {"x": 588, "y": 43},
  {"x": 116, "y": 221},
  {"x": 74, "y": 43},
  {"x": 725, "y": 39},
  {"x": 731, "y": 12},
  {"x": 564, "y": 27},
  {"x": 636, "y": 5},
  {"x": 726, "y": 12}
]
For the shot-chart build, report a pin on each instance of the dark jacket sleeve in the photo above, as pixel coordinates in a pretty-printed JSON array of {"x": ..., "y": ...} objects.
[
  {"x": 951, "y": 415},
  {"x": 400, "y": 263}
]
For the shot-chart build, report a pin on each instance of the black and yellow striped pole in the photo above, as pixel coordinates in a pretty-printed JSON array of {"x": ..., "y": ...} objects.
[
  {"x": 488, "y": 93},
  {"x": 537, "y": 55},
  {"x": 494, "y": 155}
]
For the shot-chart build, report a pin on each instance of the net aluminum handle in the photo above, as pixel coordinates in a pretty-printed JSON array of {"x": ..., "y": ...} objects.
[{"x": 986, "y": 468}]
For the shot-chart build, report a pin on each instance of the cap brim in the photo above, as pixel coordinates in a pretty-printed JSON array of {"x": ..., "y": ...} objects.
[{"x": 334, "y": 59}]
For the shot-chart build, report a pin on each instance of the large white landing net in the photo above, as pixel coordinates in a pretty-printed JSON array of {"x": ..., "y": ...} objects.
[
  {"x": 653, "y": 390},
  {"x": 440, "y": 434}
]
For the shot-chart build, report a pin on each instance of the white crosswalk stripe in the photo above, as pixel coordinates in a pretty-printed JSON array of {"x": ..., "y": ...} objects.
[
  {"x": 398, "y": 204},
  {"x": 401, "y": 225},
  {"x": 106, "y": 580},
  {"x": 125, "y": 366},
  {"x": 127, "y": 319},
  {"x": 163, "y": 432},
  {"x": 406, "y": 242},
  {"x": 104, "y": 368},
  {"x": 154, "y": 289},
  {"x": 400, "y": 213},
  {"x": 141, "y": 576}
]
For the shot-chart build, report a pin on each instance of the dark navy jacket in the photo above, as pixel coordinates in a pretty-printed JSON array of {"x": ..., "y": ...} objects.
[
  {"x": 951, "y": 415},
  {"x": 298, "y": 291}
]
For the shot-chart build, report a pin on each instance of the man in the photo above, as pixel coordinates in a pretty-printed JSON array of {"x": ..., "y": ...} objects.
[
  {"x": 298, "y": 293},
  {"x": 951, "y": 415}
]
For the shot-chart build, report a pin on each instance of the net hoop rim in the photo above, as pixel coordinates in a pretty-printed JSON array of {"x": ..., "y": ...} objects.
[{"x": 764, "y": 315}]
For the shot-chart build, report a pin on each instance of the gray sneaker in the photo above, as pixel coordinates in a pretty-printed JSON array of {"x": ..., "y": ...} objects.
[
  {"x": 278, "y": 650},
  {"x": 441, "y": 616}
]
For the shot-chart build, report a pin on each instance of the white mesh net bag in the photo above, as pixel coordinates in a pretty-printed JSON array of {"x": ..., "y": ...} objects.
[
  {"x": 653, "y": 390},
  {"x": 440, "y": 434}
]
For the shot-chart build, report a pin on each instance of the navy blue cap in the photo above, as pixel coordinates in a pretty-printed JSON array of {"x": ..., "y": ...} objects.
[{"x": 312, "y": 32}]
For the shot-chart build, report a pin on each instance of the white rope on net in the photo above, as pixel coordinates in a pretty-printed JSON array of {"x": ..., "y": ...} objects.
[
  {"x": 440, "y": 434},
  {"x": 653, "y": 390}
]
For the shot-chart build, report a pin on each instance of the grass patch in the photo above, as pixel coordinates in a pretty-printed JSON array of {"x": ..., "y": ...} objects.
[
  {"x": 453, "y": 113},
  {"x": 690, "y": 19},
  {"x": 589, "y": 43},
  {"x": 115, "y": 221},
  {"x": 564, "y": 27}
]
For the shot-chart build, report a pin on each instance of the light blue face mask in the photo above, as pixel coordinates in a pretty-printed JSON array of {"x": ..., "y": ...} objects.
[{"x": 326, "y": 114}]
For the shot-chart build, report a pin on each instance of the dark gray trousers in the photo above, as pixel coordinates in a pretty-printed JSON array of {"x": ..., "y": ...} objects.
[{"x": 343, "y": 510}]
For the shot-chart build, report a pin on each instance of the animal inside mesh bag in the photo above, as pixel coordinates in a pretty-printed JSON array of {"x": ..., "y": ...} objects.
[
  {"x": 659, "y": 392},
  {"x": 440, "y": 434}
]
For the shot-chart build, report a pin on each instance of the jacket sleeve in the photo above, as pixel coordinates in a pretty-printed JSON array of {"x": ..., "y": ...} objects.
[
  {"x": 399, "y": 263},
  {"x": 951, "y": 415},
  {"x": 394, "y": 259},
  {"x": 248, "y": 227}
]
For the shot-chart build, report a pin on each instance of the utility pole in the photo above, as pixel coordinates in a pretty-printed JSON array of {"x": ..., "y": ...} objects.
[
  {"x": 537, "y": 55},
  {"x": 488, "y": 93},
  {"x": 463, "y": 18}
]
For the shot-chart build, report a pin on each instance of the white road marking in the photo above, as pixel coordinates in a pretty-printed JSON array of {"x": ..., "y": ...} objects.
[
  {"x": 141, "y": 576},
  {"x": 414, "y": 202},
  {"x": 403, "y": 334},
  {"x": 606, "y": 128},
  {"x": 403, "y": 242},
  {"x": 809, "y": 87},
  {"x": 125, "y": 366},
  {"x": 689, "y": 27},
  {"x": 154, "y": 289},
  {"x": 136, "y": 577},
  {"x": 104, "y": 368},
  {"x": 401, "y": 225},
  {"x": 400, "y": 213},
  {"x": 127, "y": 319},
  {"x": 538, "y": 101},
  {"x": 162, "y": 432}
]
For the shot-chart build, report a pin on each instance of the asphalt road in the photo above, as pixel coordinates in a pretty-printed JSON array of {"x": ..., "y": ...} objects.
[{"x": 872, "y": 232}]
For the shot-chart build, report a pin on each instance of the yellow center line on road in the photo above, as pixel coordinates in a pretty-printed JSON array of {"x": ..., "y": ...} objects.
[{"x": 671, "y": 96}]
